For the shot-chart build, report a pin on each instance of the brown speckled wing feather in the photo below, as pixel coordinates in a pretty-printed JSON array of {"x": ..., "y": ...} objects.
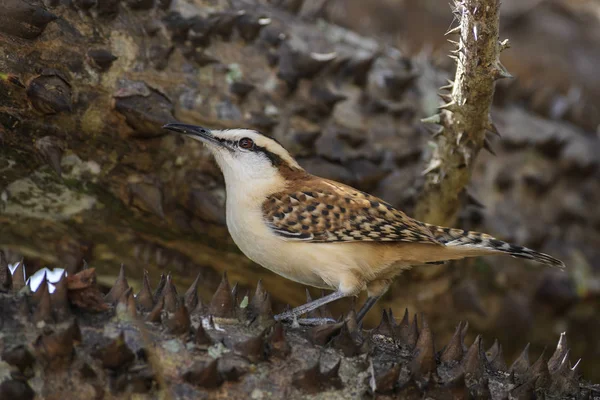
[{"x": 320, "y": 210}]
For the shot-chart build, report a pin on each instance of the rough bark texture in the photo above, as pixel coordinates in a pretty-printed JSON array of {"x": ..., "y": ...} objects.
[
  {"x": 465, "y": 114},
  {"x": 76, "y": 344}
]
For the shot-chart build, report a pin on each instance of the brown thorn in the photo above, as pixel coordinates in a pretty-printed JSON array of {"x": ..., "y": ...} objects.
[
  {"x": 60, "y": 299},
  {"x": 253, "y": 348},
  {"x": 161, "y": 286},
  {"x": 559, "y": 354},
  {"x": 116, "y": 354},
  {"x": 488, "y": 146},
  {"x": 118, "y": 288},
  {"x": 205, "y": 375},
  {"x": 190, "y": 297},
  {"x": 387, "y": 381},
  {"x": 454, "y": 350},
  {"x": 170, "y": 295},
  {"x": 155, "y": 314},
  {"x": 179, "y": 323},
  {"x": 5, "y": 275},
  {"x": 322, "y": 334},
  {"x": 221, "y": 304},
  {"x": 19, "y": 278},
  {"x": 201, "y": 338},
  {"x": 345, "y": 342},
  {"x": 424, "y": 362},
  {"x": 43, "y": 311},
  {"x": 144, "y": 297},
  {"x": 385, "y": 326},
  {"x": 472, "y": 362},
  {"x": 43, "y": 286},
  {"x": 278, "y": 345},
  {"x": 521, "y": 364}
]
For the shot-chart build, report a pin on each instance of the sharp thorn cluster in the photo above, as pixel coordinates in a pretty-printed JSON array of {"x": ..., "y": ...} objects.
[{"x": 402, "y": 357}]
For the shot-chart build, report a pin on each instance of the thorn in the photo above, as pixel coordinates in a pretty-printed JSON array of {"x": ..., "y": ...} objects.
[
  {"x": 322, "y": 334},
  {"x": 539, "y": 370},
  {"x": 260, "y": 305},
  {"x": 385, "y": 327},
  {"x": 40, "y": 289},
  {"x": 278, "y": 345},
  {"x": 253, "y": 349},
  {"x": 313, "y": 381},
  {"x": 452, "y": 106},
  {"x": 453, "y": 351},
  {"x": 56, "y": 348},
  {"x": 117, "y": 355},
  {"x": 126, "y": 304},
  {"x": 160, "y": 288},
  {"x": 504, "y": 44},
  {"x": 449, "y": 86},
  {"x": 179, "y": 323},
  {"x": 43, "y": 311},
  {"x": 521, "y": 365},
  {"x": 221, "y": 305},
  {"x": 488, "y": 146},
  {"x": 408, "y": 333},
  {"x": 500, "y": 72},
  {"x": 234, "y": 294},
  {"x": 559, "y": 354},
  {"x": 472, "y": 362},
  {"x": 60, "y": 298},
  {"x": 144, "y": 297},
  {"x": 445, "y": 97},
  {"x": 424, "y": 361},
  {"x": 492, "y": 128},
  {"x": 19, "y": 277},
  {"x": 453, "y": 31},
  {"x": 345, "y": 342},
  {"x": 205, "y": 375},
  {"x": 434, "y": 119},
  {"x": 155, "y": 314},
  {"x": 170, "y": 295},
  {"x": 387, "y": 381},
  {"x": 495, "y": 357},
  {"x": 190, "y": 297},
  {"x": 119, "y": 287},
  {"x": 201, "y": 338}
]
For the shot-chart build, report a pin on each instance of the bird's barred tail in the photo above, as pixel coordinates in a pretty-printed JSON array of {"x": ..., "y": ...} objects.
[{"x": 476, "y": 240}]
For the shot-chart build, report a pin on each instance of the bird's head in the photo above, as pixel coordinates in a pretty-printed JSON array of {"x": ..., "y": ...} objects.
[{"x": 244, "y": 155}]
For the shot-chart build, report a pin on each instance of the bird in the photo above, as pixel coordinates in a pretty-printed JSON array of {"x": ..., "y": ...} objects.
[{"x": 323, "y": 233}]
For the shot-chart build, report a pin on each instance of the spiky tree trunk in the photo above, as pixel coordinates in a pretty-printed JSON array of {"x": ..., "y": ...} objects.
[
  {"x": 77, "y": 344},
  {"x": 464, "y": 117}
]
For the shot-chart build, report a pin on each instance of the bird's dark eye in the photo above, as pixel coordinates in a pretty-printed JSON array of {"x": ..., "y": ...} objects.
[{"x": 246, "y": 143}]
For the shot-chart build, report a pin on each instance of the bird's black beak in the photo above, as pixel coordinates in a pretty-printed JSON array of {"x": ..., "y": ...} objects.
[{"x": 196, "y": 132}]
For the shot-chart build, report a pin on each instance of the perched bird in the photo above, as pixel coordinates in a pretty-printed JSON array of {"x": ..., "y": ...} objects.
[{"x": 323, "y": 233}]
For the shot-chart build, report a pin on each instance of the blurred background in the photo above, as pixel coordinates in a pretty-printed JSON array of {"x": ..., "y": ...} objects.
[{"x": 85, "y": 174}]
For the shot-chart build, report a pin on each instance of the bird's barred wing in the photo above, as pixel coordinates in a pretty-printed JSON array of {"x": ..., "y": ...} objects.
[{"x": 327, "y": 211}]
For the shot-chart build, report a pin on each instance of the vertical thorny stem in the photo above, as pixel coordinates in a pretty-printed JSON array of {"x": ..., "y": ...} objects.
[{"x": 465, "y": 116}]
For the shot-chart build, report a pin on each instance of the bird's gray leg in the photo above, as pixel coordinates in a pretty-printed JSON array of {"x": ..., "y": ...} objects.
[
  {"x": 308, "y": 307},
  {"x": 369, "y": 303}
]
